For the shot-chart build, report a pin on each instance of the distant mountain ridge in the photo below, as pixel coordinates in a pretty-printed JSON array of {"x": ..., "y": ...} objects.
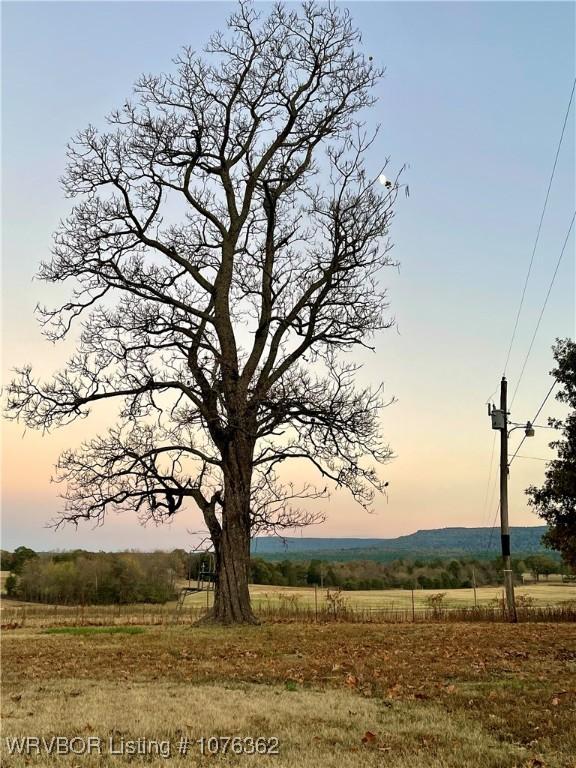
[{"x": 436, "y": 541}]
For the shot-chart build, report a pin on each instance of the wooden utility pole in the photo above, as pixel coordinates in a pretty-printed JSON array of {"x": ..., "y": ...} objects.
[{"x": 504, "y": 526}]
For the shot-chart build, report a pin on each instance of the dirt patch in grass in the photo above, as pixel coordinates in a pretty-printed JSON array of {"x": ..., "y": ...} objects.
[{"x": 517, "y": 683}]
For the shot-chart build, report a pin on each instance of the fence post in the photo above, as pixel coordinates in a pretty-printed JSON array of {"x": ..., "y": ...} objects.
[
  {"x": 316, "y": 601},
  {"x": 413, "y": 609}
]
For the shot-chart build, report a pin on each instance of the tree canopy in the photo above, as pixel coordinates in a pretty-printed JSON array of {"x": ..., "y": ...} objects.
[{"x": 555, "y": 499}]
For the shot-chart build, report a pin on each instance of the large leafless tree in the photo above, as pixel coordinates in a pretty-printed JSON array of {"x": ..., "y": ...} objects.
[{"x": 224, "y": 250}]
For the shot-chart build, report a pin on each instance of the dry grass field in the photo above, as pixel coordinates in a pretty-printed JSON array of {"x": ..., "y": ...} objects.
[
  {"x": 264, "y": 596},
  {"x": 544, "y": 602},
  {"x": 348, "y": 695}
]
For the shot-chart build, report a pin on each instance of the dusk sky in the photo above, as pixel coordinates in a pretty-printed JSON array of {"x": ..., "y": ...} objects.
[{"x": 473, "y": 103}]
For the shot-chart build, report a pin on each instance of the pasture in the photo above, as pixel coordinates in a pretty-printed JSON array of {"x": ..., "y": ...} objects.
[
  {"x": 264, "y": 596},
  {"x": 347, "y": 695},
  {"x": 370, "y": 683},
  {"x": 536, "y": 602}
]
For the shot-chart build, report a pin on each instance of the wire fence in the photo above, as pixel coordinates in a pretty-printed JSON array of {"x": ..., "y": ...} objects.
[{"x": 44, "y": 616}]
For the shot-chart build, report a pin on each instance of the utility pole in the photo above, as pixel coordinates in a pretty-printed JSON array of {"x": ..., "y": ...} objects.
[
  {"x": 500, "y": 422},
  {"x": 504, "y": 526}
]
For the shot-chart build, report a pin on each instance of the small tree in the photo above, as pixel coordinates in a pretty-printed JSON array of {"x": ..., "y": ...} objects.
[
  {"x": 555, "y": 500},
  {"x": 11, "y": 585},
  {"x": 222, "y": 265},
  {"x": 20, "y": 556},
  {"x": 436, "y": 602},
  {"x": 314, "y": 573},
  {"x": 541, "y": 565},
  {"x": 6, "y": 560}
]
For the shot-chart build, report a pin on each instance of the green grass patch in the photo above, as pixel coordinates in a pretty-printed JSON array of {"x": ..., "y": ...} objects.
[{"x": 93, "y": 631}]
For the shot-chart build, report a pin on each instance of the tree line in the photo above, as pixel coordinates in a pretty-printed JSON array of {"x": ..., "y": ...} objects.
[
  {"x": 405, "y": 573},
  {"x": 81, "y": 577},
  {"x": 92, "y": 578}
]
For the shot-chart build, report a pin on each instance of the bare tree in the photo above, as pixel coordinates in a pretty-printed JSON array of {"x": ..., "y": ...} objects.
[{"x": 224, "y": 250}]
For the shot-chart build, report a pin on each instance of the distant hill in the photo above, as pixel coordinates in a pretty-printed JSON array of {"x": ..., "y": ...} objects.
[{"x": 437, "y": 542}]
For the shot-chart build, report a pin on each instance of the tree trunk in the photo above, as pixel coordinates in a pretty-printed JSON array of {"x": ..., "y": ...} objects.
[{"x": 231, "y": 595}]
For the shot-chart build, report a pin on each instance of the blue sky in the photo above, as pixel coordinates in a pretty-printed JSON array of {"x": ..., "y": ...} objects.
[{"x": 473, "y": 102}]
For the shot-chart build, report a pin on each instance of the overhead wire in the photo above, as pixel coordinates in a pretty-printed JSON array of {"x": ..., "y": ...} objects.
[
  {"x": 485, "y": 506},
  {"x": 492, "y": 528},
  {"x": 516, "y": 455},
  {"x": 543, "y": 307},
  {"x": 523, "y": 295},
  {"x": 537, "y": 239},
  {"x": 534, "y": 458},
  {"x": 538, "y": 412}
]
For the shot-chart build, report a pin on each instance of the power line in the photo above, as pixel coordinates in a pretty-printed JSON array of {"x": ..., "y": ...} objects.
[
  {"x": 493, "y": 526},
  {"x": 538, "y": 412},
  {"x": 486, "y": 495},
  {"x": 539, "y": 229},
  {"x": 535, "y": 458},
  {"x": 525, "y": 286},
  {"x": 544, "y": 306}
]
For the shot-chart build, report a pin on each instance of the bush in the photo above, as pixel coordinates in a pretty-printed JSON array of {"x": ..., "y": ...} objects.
[
  {"x": 11, "y": 585},
  {"x": 436, "y": 602}
]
